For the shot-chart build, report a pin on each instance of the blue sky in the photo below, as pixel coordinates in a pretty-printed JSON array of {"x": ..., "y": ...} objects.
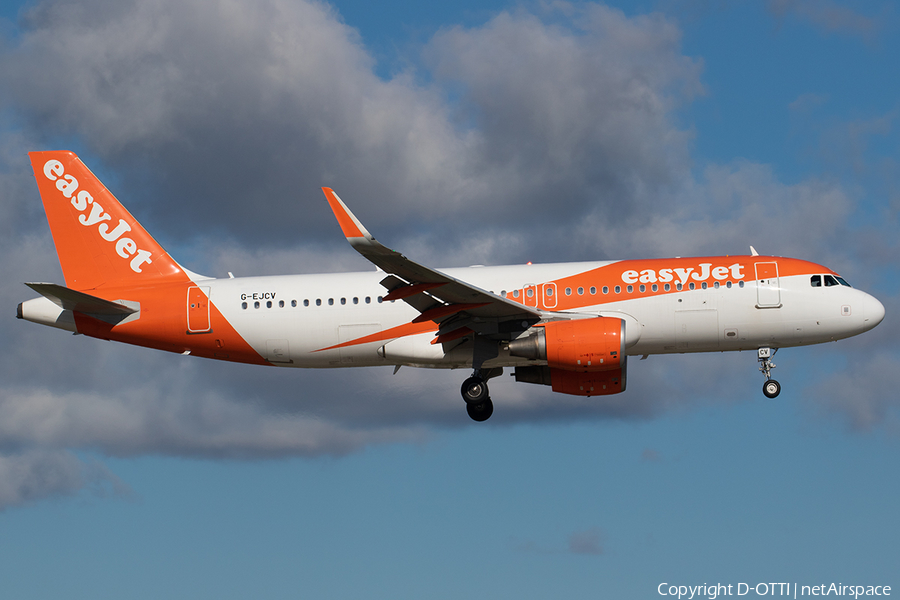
[{"x": 461, "y": 133}]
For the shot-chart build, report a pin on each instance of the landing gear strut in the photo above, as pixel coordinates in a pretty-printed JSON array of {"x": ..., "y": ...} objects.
[
  {"x": 475, "y": 392},
  {"x": 771, "y": 388}
]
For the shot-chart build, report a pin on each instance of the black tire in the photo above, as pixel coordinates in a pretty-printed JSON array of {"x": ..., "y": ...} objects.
[
  {"x": 474, "y": 390},
  {"x": 771, "y": 388},
  {"x": 480, "y": 412}
]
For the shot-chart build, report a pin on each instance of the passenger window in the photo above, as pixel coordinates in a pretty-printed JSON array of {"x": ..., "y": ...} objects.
[
  {"x": 716, "y": 285},
  {"x": 654, "y": 287},
  {"x": 269, "y": 304},
  {"x": 605, "y": 289},
  {"x": 368, "y": 300},
  {"x": 318, "y": 302},
  {"x": 667, "y": 287},
  {"x": 703, "y": 285},
  {"x": 256, "y": 304},
  {"x": 281, "y": 304},
  {"x": 549, "y": 291},
  {"x": 380, "y": 299},
  {"x": 691, "y": 285},
  {"x": 331, "y": 302},
  {"x": 643, "y": 288},
  {"x": 580, "y": 291},
  {"x": 355, "y": 300},
  {"x": 728, "y": 284},
  {"x": 568, "y": 291},
  {"x": 530, "y": 292},
  {"x": 815, "y": 281},
  {"x": 630, "y": 289},
  {"x": 244, "y": 305},
  {"x": 679, "y": 287},
  {"x": 515, "y": 293},
  {"x": 830, "y": 281},
  {"x": 618, "y": 289},
  {"x": 740, "y": 284},
  {"x": 343, "y": 301},
  {"x": 305, "y": 303},
  {"x": 593, "y": 290}
]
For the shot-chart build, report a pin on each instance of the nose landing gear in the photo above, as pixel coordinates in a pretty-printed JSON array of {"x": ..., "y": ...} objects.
[{"x": 771, "y": 388}]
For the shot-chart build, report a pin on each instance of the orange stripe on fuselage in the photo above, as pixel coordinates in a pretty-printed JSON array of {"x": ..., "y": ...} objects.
[
  {"x": 659, "y": 272},
  {"x": 163, "y": 325},
  {"x": 388, "y": 334}
]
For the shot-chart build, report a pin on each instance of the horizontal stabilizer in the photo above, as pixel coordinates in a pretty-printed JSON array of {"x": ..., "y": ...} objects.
[{"x": 68, "y": 299}]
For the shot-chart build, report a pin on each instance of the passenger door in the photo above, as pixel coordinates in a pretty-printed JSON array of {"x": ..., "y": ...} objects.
[
  {"x": 198, "y": 310},
  {"x": 768, "y": 289}
]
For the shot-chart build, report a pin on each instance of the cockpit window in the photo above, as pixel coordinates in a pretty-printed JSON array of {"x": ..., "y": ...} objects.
[
  {"x": 815, "y": 281},
  {"x": 842, "y": 282},
  {"x": 830, "y": 281}
]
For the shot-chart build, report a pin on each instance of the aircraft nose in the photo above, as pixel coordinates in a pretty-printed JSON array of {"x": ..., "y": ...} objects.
[{"x": 873, "y": 312}]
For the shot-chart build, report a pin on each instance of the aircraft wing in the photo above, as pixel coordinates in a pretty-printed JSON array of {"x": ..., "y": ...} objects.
[{"x": 452, "y": 303}]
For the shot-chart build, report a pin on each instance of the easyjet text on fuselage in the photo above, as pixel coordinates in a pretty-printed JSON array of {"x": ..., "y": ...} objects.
[{"x": 701, "y": 272}]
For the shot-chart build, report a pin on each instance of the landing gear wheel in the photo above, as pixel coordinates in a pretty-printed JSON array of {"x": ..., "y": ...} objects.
[
  {"x": 771, "y": 388},
  {"x": 474, "y": 391},
  {"x": 480, "y": 412}
]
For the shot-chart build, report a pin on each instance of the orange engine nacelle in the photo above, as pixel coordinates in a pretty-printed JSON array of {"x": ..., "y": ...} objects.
[
  {"x": 597, "y": 383},
  {"x": 581, "y": 345},
  {"x": 588, "y": 384},
  {"x": 585, "y": 357}
]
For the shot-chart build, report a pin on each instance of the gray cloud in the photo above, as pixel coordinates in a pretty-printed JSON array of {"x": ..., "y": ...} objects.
[
  {"x": 536, "y": 136},
  {"x": 247, "y": 108},
  {"x": 863, "y": 396},
  {"x": 650, "y": 455},
  {"x": 586, "y": 542},
  {"x": 728, "y": 209},
  {"x": 226, "y": 114},
  {"x": 828, "y": 16},
  {"x": 29, "y": 476},
  {"x": 581, "y": 117},
  {"x": 847, "y": 144}
]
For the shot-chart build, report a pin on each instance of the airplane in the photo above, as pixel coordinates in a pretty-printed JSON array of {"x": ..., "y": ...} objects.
[{"x": 569, "y": 326}]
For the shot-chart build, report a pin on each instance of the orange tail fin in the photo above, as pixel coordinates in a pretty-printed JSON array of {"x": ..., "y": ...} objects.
[{"x": 97, "y": 240}]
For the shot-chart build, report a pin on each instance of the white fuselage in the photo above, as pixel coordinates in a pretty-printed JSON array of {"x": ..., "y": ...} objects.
[{"x": 303, "y": 317}]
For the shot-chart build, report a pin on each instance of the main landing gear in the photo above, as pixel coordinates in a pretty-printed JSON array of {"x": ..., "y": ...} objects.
[
  {"x": 771, "y": 388},
  {"x": 475, "y": 392}
]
